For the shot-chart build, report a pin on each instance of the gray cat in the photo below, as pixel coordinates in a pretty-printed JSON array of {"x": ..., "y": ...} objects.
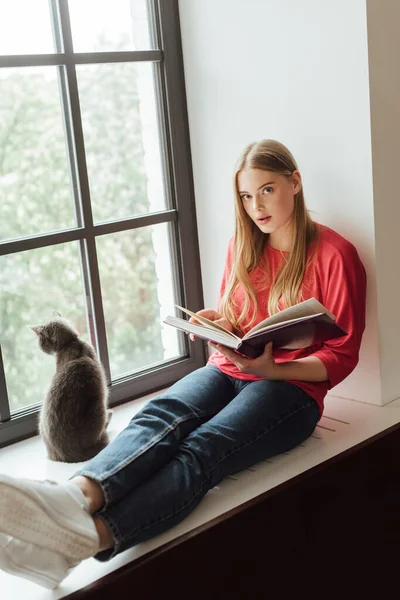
[{"x": 74, "y": 416}]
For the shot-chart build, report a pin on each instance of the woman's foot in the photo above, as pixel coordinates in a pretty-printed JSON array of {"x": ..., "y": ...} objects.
[
  {"x": 36, "y": 564},
  {"x": 49, "y": 517}
]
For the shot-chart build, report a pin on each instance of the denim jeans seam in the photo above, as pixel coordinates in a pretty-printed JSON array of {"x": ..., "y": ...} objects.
[
  {"x": 292, "y": 413},
  {"x": 154, "y": 440},
  {"x": 118, "y": 539},
  {"x": 152, "y": 523},
  {"x": 106, "y": 492},
  {"x": 163, "y": 518},
  {"x": 199, "y": 413}
]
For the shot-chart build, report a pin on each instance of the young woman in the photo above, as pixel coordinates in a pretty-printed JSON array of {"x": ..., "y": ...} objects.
[{"x": 221, "y": 418}]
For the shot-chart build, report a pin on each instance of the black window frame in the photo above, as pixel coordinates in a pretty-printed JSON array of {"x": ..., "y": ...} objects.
[{"x": 181, "y": 210}]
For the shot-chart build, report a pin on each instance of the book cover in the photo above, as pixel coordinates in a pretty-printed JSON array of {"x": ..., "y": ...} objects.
[
  {"x": 293, "y": 335},
  {"x": 296, "y": 327}
]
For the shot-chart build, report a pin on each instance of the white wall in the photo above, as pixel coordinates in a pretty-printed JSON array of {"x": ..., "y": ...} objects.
[
  {"x": 297, "y": 72},
  {"x": 384, "y": 53}
]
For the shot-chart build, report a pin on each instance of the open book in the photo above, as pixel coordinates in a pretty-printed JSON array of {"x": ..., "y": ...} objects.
[{"x": 296, "y": 327}]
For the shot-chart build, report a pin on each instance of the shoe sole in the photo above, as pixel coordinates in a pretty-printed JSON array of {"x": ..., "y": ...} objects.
[
  {"x": 9, "y": 566},
  {"x": 26, "y": 519}
]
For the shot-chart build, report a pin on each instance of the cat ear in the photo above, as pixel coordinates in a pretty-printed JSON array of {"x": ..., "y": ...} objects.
[
  {"x": 35, "y": 328},
  {"x": 56, "y": 314}
]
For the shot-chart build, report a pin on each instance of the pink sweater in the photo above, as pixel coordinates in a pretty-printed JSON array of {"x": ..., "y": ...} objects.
[{"x": 336, "y": 277}]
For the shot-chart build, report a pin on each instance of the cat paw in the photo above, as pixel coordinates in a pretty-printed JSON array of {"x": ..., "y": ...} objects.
[{"x": 109, "y": 416}]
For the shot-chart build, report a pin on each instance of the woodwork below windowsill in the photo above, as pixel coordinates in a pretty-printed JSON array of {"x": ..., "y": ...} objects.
[{"x": 328, "y": 508}]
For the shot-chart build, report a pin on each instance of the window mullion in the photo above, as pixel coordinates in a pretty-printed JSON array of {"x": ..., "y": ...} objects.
[
  {"x": 80, "y": 58},
  {"x": 41, "y": 241},
  {"x": 81, "y": 190},
  {"x": 172, "y": 76},
  {"x": 4, "y": 403},
  {"x": 178, "y": 217}
]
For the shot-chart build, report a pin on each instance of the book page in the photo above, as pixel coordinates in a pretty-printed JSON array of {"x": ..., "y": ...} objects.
[
  {"x": 202, "y": 331},
  {"x": 208, "y": 322},
  {"x": 303, "y": 309},
  {"x": 258, "y": 330}
]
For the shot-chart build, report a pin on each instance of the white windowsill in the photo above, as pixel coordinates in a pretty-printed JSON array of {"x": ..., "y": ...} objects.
[{"x": 345, "y": 424}]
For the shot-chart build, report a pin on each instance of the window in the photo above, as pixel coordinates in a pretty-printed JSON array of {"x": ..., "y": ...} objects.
[{"x": 97, "y": 215}]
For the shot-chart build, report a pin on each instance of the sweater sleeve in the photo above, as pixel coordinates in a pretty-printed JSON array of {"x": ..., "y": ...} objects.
[{"x": 344, "y": 290}]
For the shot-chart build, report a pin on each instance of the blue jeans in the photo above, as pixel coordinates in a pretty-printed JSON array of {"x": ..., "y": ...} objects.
[{"x": 183, "y": 443}]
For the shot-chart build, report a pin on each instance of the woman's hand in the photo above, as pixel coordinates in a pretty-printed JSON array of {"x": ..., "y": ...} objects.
[
  {"x": 262, "y": 366},
  {"x": 212, "y": 315},
  {"x": 309, "y": 368}
]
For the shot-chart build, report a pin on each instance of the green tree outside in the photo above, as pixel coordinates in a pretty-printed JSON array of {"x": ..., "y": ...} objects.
[{"x": 35, "y": 197}]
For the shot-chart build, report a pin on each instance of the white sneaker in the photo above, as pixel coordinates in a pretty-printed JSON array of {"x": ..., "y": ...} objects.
[
  {"x": 53, "y": 516},
  {"x": 26, "y": 560}
]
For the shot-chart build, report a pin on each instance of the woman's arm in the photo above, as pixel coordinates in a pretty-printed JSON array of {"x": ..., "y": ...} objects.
[
  {"x": 309, "y": 368},
  {"x": 343, "y": 283}
]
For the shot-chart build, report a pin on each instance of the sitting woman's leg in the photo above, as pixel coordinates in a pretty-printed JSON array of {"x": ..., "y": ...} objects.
[
  {"x": 95, "y": 499},
  {"x": 56, "y": 518},
  {"x": 264, "y": 419},
  {"x": 154, "y": 434}
]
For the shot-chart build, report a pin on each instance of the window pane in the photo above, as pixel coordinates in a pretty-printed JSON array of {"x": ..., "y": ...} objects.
[
  {"x": 32, "y": 285},
  {"x": 104, "y": 26},
  {"x": 35, "y": 193},
  {"x": 25, "y": 27},
  {"x": 121, "y": 139},
  {"x": 137, "y": 289}
]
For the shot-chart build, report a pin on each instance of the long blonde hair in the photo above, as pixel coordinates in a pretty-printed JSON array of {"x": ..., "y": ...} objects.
[{"x": 250, "y": 241}]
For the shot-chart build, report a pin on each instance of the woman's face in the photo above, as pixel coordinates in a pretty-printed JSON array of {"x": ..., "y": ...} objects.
[{"x": 268, "y": 199}]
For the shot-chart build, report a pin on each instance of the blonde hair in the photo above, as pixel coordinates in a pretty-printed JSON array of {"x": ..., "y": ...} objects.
[{"x": 250, "y": 241}]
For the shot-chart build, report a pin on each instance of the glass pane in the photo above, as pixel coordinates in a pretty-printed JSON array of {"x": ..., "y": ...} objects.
[
  {"x": 136, "y": 280},
  {"x": 32, "y": 285},
  {"x": 121, "y": 139},
  {"x": 104, "y": 26},
  {"x": 25, "y": 27},
  {"x": 35, "y": 191}
]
